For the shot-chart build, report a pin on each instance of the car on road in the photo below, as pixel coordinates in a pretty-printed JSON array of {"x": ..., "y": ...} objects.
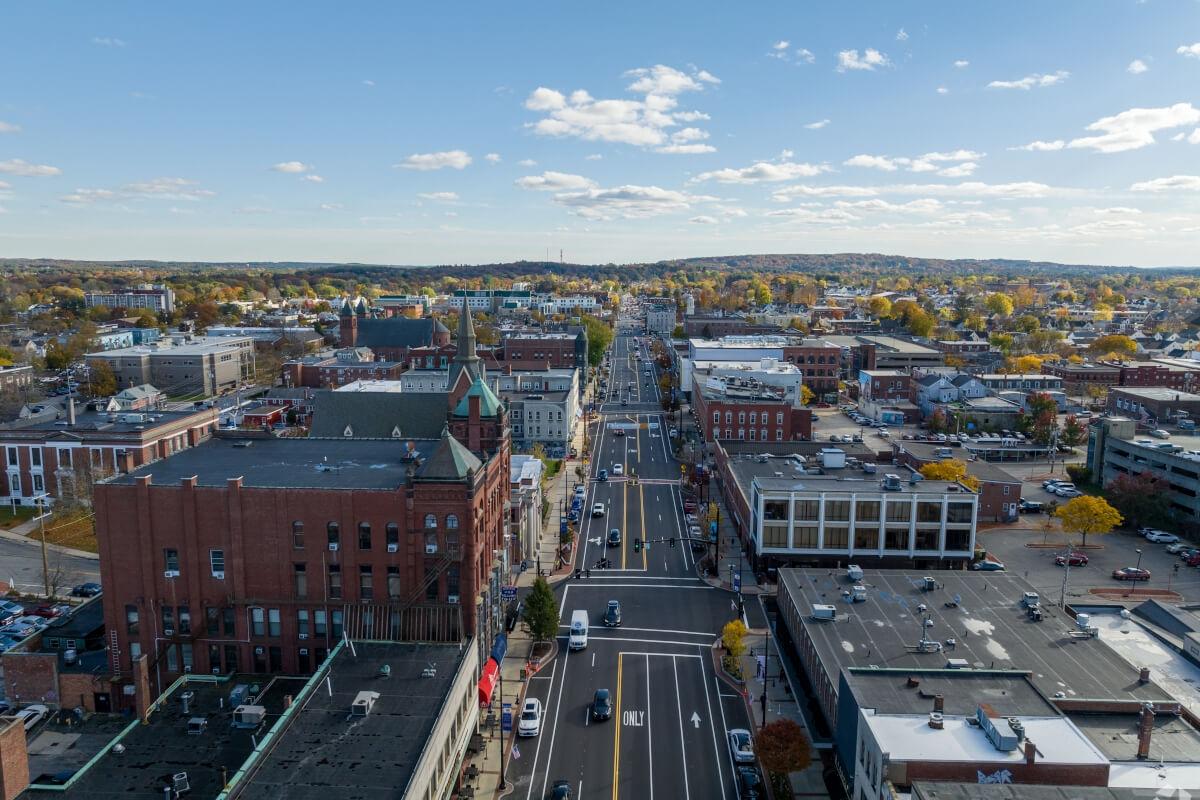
[
  {"x": 988, "y": 565},
  {"x": 512, "y": 615},
  {"x": 612, "y": 614},
  {"x": 619, "y": 432},
  {"x": 32, "y": 715},
  {"x": 597, "y": 509},
  {"x": 614, "y": 537},
  {"x": 749, "y": 783},
  {"x": 86, "y": 590},
  {"x": 1030, "y": 506},
  {"x": 741, "y": 746},
  {"x": 1075, "y": 559},
  {"x": 1161, "y": 537},
  {"x": 602, "y": 705},
  {"x": 1131, "y": 574},
  {"x": 602, "y": 475},
  {"x": 618, "y": 469},
  {"x": 530, "y": 723},
  {"x": 560, "y": 791}
]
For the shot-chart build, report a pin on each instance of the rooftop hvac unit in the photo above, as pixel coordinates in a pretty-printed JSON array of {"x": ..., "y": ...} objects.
[
  {"x": 821, "y": 612},
  {"x": 890, "y": 483},
  {"x": 363, "y": 703},
  {"x": 248, "y": 716}
]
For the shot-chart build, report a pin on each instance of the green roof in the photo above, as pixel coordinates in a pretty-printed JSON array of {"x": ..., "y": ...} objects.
[
  {"x": 489, "y": 404},
  {"x": 450, "y": 460}
]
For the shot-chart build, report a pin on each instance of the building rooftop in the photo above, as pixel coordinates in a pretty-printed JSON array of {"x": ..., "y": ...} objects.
[
  {"x": 287, "y": 462},
  {"x": 1160, "y": 394},
  {"x": 154, "y": 752},
  {"x": 140, "y": 422},
  {"x": 993, "y": 404},
  {"x": 380, "y": 415},
  {"x": 939, "y": 790},
  {"x": 780, "y": 474},
  {"x": 1018, "y": 376},
  {"x": 990, "y": 630},
  {"x": 891, "y": 691},
  {"x": 983, "y": 470},
  {"x": 1172, "y": 739},
  {"x": 885, "y": 343},
  {"x": 323, "y": 753},
  {"x": 195, "y": 347}
]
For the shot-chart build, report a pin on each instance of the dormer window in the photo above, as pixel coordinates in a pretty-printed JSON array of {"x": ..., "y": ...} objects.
[
  {"x": 348, "y": 432},
  {"x": 396, "y": 432}
]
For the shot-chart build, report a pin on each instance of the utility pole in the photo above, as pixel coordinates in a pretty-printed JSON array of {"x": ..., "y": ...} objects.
[{"x": 41, "y": 501}]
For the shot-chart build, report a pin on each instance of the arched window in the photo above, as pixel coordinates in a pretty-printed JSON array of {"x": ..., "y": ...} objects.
[
  {"x": 452, "y": 521},
  {"x": 333, "y": 532},
  {"x": 430, "y": 520}
]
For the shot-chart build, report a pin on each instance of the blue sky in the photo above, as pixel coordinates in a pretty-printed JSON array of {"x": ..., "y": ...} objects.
[{"x": 477, "y": 132}]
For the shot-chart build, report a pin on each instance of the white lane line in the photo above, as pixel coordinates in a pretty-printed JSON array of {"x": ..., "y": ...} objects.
[
  {"x": 724, "y": 728},
  {"x": 661, "y": 655},
  {"x": 676, "y": 504},
  {"x": 593, "y": 659},
  {"x": 649, "y": 734},
  {"x": 687, "y": 794},
  {"x": 604, "y": 574},
  {"x": 643, "y": 641},
  {"x": 553, "y": 732},
  {"x": 652, "y": 586},
  {"x": 664, "y": 630}
]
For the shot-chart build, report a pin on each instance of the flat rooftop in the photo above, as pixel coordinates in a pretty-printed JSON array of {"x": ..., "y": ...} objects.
[
  {"x": 154, "y": 752},
  {"x": 1158, "y": 393},
  {"x": 749, "y": 470},
  {"x": 922, "y": 790},
  {"x": 891, "y": 691},
  {"x": 194, "y": 348},
  {"x": 107, "y": 422},
  {"x": 984, "y": 470},
  {"x": 324, "y": 753},
  {"x": 286, "y": 462},
  {"x": 1116, "y": 735},
  {"x": 990, "y": 629}
]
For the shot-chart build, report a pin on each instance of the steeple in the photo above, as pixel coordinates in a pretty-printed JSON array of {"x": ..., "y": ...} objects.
[{"x": 466, "y": 360}]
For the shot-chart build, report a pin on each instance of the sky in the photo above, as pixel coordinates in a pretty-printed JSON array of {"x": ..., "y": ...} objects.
[{"x": 406, "y": 133}]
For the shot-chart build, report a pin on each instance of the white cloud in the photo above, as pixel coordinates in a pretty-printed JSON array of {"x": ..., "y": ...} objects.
[
  {"x": 1135, "y": 128},
  {"x": 293, "y": 167},
  {"x": 704, "y": 220},
  {"x": 762, "y": 172},
  {"x": 313, "y": 179},
  {"x": 923, "y": 206},
  {"x": 454, "y": 159},
  {"x": 108, "y": 41},
  {"x": 967, "y": 189},
  {"x": 8, "y": 127},
  {"x": 1031, "y": 81},
  {"x": 1041, "y": 147},
  {"x": 802, "y": 214},
  {"x": 368, "y": 82},
  {"x": 870, "y": 59},
  {"x": 782, "y": 44},
  {"x": 492, "y": 158},
  {"x": 816, "y": 126},
  {"x": 551, "y": 181},
  {"x": 1187, "y": 183},
  {"x": 872, "y": 162},
  {"x": 593, "y": 157},
  {"x": 685, "y": 149},
  {"x": 4, "y": 186},
  {"x": 901, "y": 35},
  {"x": 805, "y": 55},
  {"x": 86, "y": 196},
  {"x": 628, "y": 202},
  {"x": 962, "y": 63},
  {"x": 526, "y": 162},
  {"x": 15, "y": 166},
  {"x": 943, "y": 90},
  {"x": 439, "y": 197},
  {"x": 1189, "y": 50},
  {"x": 1194, "y": 137},
  {"x": 925, "y": 163},
  {"x": 331, "y": 206},
  {"x": 643, "y": 122},
  {"x": 1137, "y": 67},
  {"x": 156, "y": 188},
  {"x": 959, "y": 170}
]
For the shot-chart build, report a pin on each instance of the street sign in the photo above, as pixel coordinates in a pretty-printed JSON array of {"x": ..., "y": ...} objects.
[
  {"x": 737, "y": 581},
  {"x": 506, "y": 717},
  {"x": 508, "y": 592}
]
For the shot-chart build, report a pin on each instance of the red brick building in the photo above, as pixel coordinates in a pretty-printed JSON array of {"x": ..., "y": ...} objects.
[
  {"x": 256, "y": 553},
  {"x": 819, "y": 360},
  {"x": 1078, "y": 377},
  {"x": 999, "y": 491},
  {"x": 760, "y": 414},
  {"x": 392, "y": 337},
  {"x": 317, "y": 372}
]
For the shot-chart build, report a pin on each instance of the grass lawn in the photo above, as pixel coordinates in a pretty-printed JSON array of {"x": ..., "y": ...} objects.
[
  {"x": 77, "y": 532},
  {"x": 9, "y": 519}
]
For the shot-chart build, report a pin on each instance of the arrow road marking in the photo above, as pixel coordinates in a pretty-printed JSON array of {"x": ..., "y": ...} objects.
[
  {"x": 595, "y": 540},
  {"x": 695, "y": 719}
]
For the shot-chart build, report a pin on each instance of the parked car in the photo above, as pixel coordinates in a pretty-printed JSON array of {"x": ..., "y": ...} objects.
[
  {"x": 749, "y": 783},
  {"x": 988, "y": 565},
  {"x": 1068, "y": 492},
  {"x": 1076, "y": 559},
  {"x": 1176, "y": 547},
  {"x": 86, "y": 590},
  {"x": 1187, "y": 553},
  {"x": 612, "y": 614},
  {"x": 1131, "y": 574},
  {"x": 602, "y": 705},
  {"x": 1161, "y": 537},
  {"x": 560, "y": 791},
  {"x": 1193, "y": 560},
  {"x": 1030, "y": 506},
  {"x": 32, "y": 715},
  {"x": 741, "y": 746},
  {"x": 530, "y": 723},
  {"x": 1050, "y": 484}
]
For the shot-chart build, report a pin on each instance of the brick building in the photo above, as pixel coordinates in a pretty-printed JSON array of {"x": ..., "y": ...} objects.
[
  {"x": 1077, "y": 378},
  {"x": 746, "y": 409},
  {"x": 392, "y": 337},
  {"x": 717, "y": 327},
  {"x": 255, "y": 553},
  {"x": 347, "y": 365},
  {"x": 999, "y": 492}
]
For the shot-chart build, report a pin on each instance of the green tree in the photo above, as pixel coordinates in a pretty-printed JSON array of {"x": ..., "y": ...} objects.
[
  {"x": 921, "y": 323},
  {"x": 1073, "y": 433},
  {"x": 541, "y": 611},
  {"x": 879, "y": 306},
  {"x": 997, "y": 303},
  {"x": 783, "y": 749},
  {"x": 1040, "y": 419},
  {"x": 1002, "y": 342},
  {"x": 677, "y": 332},
  {"x": 599, "y": 336}
]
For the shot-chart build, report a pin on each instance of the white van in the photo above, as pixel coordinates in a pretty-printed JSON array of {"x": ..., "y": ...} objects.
[{"x": 579, "y": 630}]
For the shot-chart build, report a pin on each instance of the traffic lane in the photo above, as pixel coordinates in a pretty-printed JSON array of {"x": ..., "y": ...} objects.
[
  {"x": 701, "y": 732},
  {"x": 733, "y": 713},
  {"x": 1114, "y": 551},
  {"x": 664, "y": 521},
  {"x": 632, "y": 736},
  {"x": 654, "y": 611},
  {"x": 21, "y": 566}
]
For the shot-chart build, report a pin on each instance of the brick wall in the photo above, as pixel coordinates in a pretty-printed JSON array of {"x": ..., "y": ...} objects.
[
  {"x": 14, "y": 759},
  {"x": 31, "y": 677}
]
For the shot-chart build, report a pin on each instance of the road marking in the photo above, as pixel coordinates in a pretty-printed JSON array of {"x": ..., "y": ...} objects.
[
  {"x": 661, "y": 630},
  {"x": 553, "y": 731},
  {"x": 624, "y": 520},
  {"x": 616, "y": 731},
  {"x": 643, "y": 641},
  {"x": 687, "y": 793},
  {"x": 642, "y": 503},
  {"x": 664, "y": 655},
  {"x": 652, "y": 586},
  {"x": 649, "y": 732},
  {"x": 695, "y": 719},
  {"x": 642, "y": 577},
  {"x": 724, "y": 730}
]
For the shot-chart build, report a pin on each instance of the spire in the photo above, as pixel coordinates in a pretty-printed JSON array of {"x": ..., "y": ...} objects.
[{"x": 466, "y": 360}]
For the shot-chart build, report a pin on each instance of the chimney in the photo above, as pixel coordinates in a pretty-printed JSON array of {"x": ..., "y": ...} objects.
[
  {"x": 939, "y": 703},
  {"x": 71, "y": 411},
  {"x": 14, "y": 758},
  {"x": 1144, "y": 675},
  {"x": 125, "y": 462},
  {"x": 1030, "y": 752},
  {"x": 1145, "y": 728}
]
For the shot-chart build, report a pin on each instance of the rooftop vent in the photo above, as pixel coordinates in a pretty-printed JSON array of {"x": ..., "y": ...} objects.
[
  {"x": 248, "y": 716},
  {"x": 363, "y": 703},
  {"x": 385, "y": 671},
  {"x": 936, "y": 721}
]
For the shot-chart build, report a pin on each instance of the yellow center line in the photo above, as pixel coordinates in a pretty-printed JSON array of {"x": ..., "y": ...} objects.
[
  {"x": 617, "y": 730},
  {"x": 642, "y": 501}
]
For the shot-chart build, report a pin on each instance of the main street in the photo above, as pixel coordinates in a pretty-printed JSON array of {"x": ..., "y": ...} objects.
[{"x": 667, "y": 734}]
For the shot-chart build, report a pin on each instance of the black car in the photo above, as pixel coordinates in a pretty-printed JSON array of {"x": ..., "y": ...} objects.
[
  {"x": 86, "y": 590},
  {"x": 749, "y": 783},
  {"x": 602, "y": 705},
  {"x": 602, "y": 476},
  {"x": 612, "y": 614},
  {"x": 614, "y": 537},
  {"x": 512, "y": 615},
  {"x": 560, "y": 791}
]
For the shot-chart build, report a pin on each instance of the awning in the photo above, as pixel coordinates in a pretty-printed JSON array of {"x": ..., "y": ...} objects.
[
  {"x": 499, "y": 647},
  {"x": 487, "y": 682}
]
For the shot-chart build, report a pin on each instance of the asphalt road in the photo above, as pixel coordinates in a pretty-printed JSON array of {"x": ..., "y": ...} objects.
[
  {"x": 21, "y": 566},
  {"x": 666, "y": 737}
]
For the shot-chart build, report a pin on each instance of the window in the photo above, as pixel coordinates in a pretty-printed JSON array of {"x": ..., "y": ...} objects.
[
  {"x": 38, "y": 485},
  {"x": 393, "y": 583},
  {"x": 866, "y": 538},
  {"x": 258, "y": 621},
  {"x": 131, "y": 620},
  {"x": 958, "y": 513},
  {"x": 807, "y": 509},
  {"x": 452, "y": 522},
  {"x": 297, "y": 535},
  {"x": 333, "y": 532},
  {"x": 805, "y": 536},
  {"x": 741, "y": 417},
  {"x": 12, "y": 457},
  {"x": 958, "y": 541},
  {"x": 728, "y": 417},
  {"x": 392, "y": 534},
  {"x": 1006, "y": 489},
  {"x": 300, "y": 580},
  {"x": 430, "y": 520},
  {"x": 899, "y": 512},
  {"x": 929, "y": 512},
  {"x": 366, "y": 582},
  {"x": 779, "y": 418},
  {"x": 716, "y": 416},
  {"x": 754, "y": 417},
  {"x": 364, "y": 536},
  {"x": 185, "y": 619},
  {"x": 171, "y": 560},
  {"x": 216, "y": 560},
  {"x": 172, "y": 658},
  {"x": 273, "y": 626},
  {"x": 774, "y": 536},
  {"x": 336, "y": 624},
  {"x": 214, "y": 657},
  {"x": 452, "y": 579},
  {"x": 837, "y": 510},
  {"x": 319, "y": 622},
  {"x": 779, "y": 434},
  {"x": 867, "y": 511},
  {"x": 752, "y": 434},
  {"x": 927, "y": 540},
  {"x": 836, "y": 538},
  {"x": 896, "y": 538},
  {"x": 35, "y": 456},
  {"x": 335, "y": 581},
  {"x": 212, "y": 621},
  {"x": 229, "y": 621}
]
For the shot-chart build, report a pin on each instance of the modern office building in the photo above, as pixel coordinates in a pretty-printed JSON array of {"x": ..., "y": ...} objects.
[
  {"x": 204, "y": 366},
  {"x": 158, "y": 298}
]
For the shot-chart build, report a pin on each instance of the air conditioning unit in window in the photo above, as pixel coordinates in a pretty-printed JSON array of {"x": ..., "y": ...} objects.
[
  {"x": 216, "y": 670},
  {"x": 171, "y": 573},
  {"x": 187, "y": 668},
  {"x": 333, "y": 546},
  {"x": 430, "y": 549},
  {"x": 452, "y": 599},
  {"x": 168, "y": 631},
  {"x": 392, "y": 548},
  {"x": 219, "y": 575},
  {"x": 303, "y": 651}
]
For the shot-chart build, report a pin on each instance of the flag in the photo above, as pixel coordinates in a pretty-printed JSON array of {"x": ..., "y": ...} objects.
[{"x": 516, "y": 752}]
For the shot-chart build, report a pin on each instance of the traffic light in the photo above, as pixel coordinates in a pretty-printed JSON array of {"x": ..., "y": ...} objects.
[
  {"x": 672, "y": 541},
  {"x": 637, "y": 544}
]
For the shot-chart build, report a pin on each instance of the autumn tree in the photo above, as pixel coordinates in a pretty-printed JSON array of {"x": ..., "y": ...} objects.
[
  {"x": 997, "y": 303},
  {"x": 950, "y": 469},
  {"x": 806, "y": 395},
  {"x": 782, "y": 748},
  {"x": 879, "y": 306},
  {"x": 1143, "y": 499},
  {"x": 1114, "y": 344},
  {"x": 102, "y": 382},
  {"x": 1002, "y": 342},
  {"x": 733, "y": 637},
  {"x": 939, "y": 421},
  {"x": 1073, "y": 432},
  {"x": 1024, "y": 365},
  {"x": 1040, "y": 419},
  {"x": 1088, "y": 515}
]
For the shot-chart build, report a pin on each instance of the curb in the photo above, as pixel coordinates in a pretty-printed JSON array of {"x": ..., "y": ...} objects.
[{"x": 53, "y": 548}]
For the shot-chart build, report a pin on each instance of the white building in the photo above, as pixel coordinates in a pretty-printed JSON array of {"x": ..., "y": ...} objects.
[
  {"x": 525, "y": 493},
  {"x": 660, "y": 318},
  {"x": 156, "y": 297}
]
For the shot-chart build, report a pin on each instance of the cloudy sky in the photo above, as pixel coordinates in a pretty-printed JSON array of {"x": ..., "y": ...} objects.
[{"x": 475, "y": 132}]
